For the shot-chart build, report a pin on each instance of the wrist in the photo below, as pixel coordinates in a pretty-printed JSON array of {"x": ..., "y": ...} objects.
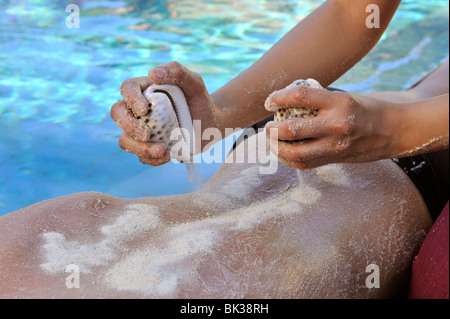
[
  {"x": 393, "y": 128},
  {"x": 220, "y": 111},
  {"x": 423, "y": 126}
]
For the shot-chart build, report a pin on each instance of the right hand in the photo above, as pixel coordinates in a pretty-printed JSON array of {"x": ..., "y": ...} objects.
[
  {"x": 135, "y": 139},
  {"x": 349, "y": 128}
]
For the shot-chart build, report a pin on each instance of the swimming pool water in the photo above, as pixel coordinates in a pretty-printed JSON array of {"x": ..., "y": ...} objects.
[{"x": 57, "y": 84}]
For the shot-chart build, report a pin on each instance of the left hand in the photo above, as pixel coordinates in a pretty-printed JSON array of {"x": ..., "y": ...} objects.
[{"x": 348, "y": 128}]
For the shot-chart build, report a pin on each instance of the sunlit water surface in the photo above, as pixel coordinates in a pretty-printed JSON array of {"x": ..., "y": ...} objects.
[{"x": 57, "y": 85}]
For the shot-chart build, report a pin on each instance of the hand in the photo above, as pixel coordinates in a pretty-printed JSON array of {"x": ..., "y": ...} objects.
[
  {"x": 348, "y": 128},
  {"x": 135, "y": 139}
]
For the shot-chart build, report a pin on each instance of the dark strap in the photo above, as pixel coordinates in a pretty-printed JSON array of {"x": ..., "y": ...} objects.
[{"x": 421, "y": 172}]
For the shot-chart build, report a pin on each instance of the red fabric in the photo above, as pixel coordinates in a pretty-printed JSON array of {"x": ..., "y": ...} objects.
[{"x": 430, "y": 268}]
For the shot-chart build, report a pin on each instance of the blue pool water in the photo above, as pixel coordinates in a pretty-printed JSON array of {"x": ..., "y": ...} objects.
[{"x": 57, "y": 84}]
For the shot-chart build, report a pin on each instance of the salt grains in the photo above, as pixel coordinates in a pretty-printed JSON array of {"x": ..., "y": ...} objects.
[
  {"x": 60, "y": 252},
  {"x": 136, "y": 219},
  {"x": 333, "y": 173},
  {"x": 159, "y": 271},
  {"x": 242, "y": 186},
  {"x": 305, "y": 195}
]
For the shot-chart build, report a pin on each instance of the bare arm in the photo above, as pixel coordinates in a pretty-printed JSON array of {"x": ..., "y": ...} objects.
[
  {"x": 434, "y": 84},
  {"x": 424, "y": 113},
  {"x": 423, "y": 126},
  {"x": 323, "y": 46}
]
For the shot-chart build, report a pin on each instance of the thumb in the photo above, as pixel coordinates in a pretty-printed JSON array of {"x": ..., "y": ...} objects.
[
  {"x": 174, "y": 73},
  {"x": 298, "y": 96}
]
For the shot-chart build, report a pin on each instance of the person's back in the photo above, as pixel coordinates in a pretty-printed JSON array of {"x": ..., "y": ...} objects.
[{"x": 340, "y": 231}]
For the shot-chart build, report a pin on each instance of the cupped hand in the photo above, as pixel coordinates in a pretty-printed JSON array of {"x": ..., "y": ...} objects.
[
  {"x": 125, "y": 113},
  {"x": 348, "y": 128}
]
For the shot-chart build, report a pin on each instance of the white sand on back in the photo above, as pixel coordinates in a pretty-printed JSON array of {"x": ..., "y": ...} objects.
[
  {"x": 59, "y": 252},
  {"x": 160, "y": 269},
  {"x": 242, "y": 185},
  {"x": 333, "y": 173},
  {"x": 137, "y": 218}
]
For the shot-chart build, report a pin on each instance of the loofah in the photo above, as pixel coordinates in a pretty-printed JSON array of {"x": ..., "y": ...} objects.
[{"x": 298, "y": 112}]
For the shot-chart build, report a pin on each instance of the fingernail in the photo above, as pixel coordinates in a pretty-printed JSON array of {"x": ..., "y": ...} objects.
[
  {"x": 158, "y": 74},
  {"x": 272, "y": 128},
  {"x": 271, "y": 124},
  {"x": 273, "y": 146},
  {"x": 119, "y": 124},
  {"x": 140, "y": 106},
  {"x": 157, "y": 150},
  {"x": 144, "y": 135}
]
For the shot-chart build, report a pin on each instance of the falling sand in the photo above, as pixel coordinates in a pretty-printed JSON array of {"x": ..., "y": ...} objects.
[{"x": 333, "y": 173}]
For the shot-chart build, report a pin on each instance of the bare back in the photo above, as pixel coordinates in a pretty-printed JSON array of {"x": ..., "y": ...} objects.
[{"x": 292, "y": 234}]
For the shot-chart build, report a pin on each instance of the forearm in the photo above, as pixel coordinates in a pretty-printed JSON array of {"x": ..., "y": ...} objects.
[
  {"x": 323, "y": 46},
  {"x": 434, "y": 84},
  {"x": 421, "y": 127}
]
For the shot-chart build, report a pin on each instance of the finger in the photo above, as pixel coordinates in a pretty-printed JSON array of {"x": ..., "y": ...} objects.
[
  {"x": 142, "y": 149},
  {"x": 317, "y": 162},
  {"x": 121, "y": 114},
  {"x": 302, "y": 165},
  {"x": 175, "y": 73},
  {"x": 296, "y": 165},
  {"x": 302, "y": 152},
  {"x": 154, "y": 161},
  {"x": 131, "y": 91},
  {"x": 305, "y": 165},
  {"x": 299, "y": 96},
  {"x": 298, "y": 129}
]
